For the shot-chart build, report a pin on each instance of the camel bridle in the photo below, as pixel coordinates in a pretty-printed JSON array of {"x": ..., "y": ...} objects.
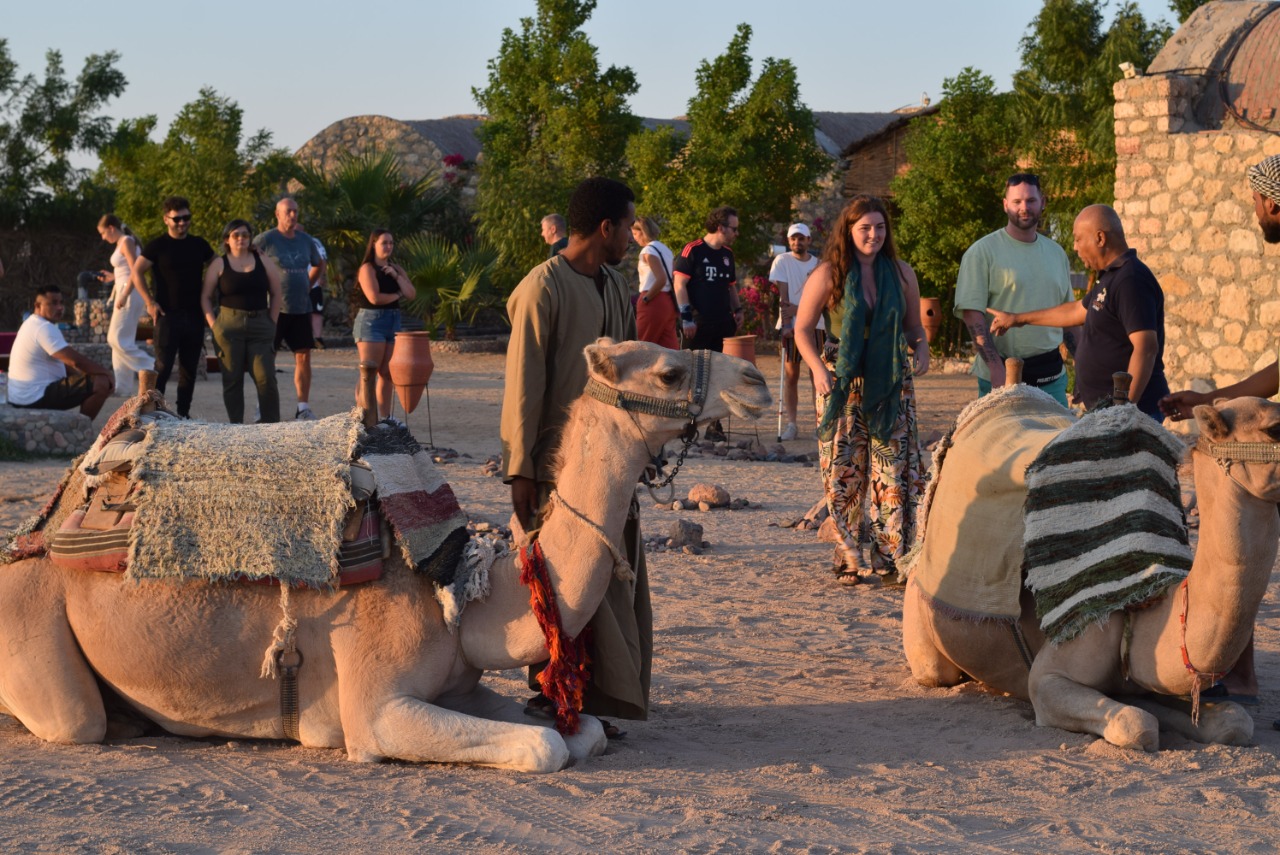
[{"x": 689, "y": 409}]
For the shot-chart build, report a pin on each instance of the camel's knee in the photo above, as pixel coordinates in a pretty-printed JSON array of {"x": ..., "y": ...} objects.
[
  {"x": 929, "y": 666},
  {"x": 1226, "y": 724}
]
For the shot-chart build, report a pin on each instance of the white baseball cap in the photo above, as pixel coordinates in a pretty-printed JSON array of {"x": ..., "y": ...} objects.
[{"x": 798, "y": 229}]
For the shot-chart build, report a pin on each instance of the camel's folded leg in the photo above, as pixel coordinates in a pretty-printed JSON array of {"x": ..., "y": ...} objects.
[
  {"x": 929, "y": 665},
  {"x": 1222, "y": 723},
  {"x": 47, "y": 685},
  {"x": 483, "y": 702},
  {"x": 1061, "y": 688},
  {"x": 409, "y": 729}
]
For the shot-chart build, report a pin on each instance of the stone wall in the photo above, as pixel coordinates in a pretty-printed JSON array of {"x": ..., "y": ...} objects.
[
  {"x": 1186, "y": 206},
  {"x": 417, "y": 155}
]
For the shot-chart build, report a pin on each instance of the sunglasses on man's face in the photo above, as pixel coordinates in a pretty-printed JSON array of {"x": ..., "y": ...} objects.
[{"x": 180, "y": 218}]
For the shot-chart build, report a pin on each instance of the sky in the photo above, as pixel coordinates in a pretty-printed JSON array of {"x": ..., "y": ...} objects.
[{"x": 295, "y": 68}]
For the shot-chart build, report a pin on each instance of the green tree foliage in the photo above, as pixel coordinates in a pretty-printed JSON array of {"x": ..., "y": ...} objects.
[
  {"x": 950, "y": 196},
  {"x": 364, "y": 192},
  {"x": 554, "y": 119},
  {"x": 203, "y": 158},
  {"x": 1064, "y": 99},
  {"x": 750, "y": 145},
  {"x": 43, "y": 123}
]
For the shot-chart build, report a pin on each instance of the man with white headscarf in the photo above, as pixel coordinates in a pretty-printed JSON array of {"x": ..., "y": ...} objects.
[{"x": 1241, "y": 681}]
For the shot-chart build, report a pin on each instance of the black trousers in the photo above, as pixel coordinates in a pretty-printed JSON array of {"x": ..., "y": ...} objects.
[{"x": 180, "y": 337}]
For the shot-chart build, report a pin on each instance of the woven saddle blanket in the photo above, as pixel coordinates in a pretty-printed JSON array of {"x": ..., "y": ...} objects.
[
  {"x": 162, "y": 498},
  {"x": 968, "y": 558},
  {"x": 1105, "y": 526}
]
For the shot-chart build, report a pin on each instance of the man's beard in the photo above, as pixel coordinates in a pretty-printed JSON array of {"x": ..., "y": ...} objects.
[
  {"x": 1031, "y": 221},
  {"x": 1270, "y": 230}
]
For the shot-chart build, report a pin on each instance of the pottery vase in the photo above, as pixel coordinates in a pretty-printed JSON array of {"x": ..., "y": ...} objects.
[
  {"x": 741, "y": 346},
  {"x": 931, "y": 316},
  {"x": 411, "y": 366}
]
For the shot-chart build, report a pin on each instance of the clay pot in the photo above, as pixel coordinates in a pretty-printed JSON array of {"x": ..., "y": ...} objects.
[
  {"x": 411, "y": 366},
  {"x": 931, "y": 316},
  {"x": 741, "y": 346}
]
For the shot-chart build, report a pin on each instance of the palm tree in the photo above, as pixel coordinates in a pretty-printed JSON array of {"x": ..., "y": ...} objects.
[{"x": 454, "y": 283}]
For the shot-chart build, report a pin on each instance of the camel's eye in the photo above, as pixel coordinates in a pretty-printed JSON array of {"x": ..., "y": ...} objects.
[
  {"x": 671, "y": 377},
  {"x": 1273, "y": 432}
]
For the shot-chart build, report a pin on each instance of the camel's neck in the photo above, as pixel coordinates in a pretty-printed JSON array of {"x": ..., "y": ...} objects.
[
  {"x": 601, "y": 458},
  {"x": 1238, "y": 536}
]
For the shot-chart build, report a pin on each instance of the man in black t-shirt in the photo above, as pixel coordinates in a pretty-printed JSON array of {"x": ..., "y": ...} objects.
[
  {"x": 177, "y": 261},
  {"x": 1122, "y": 315},
  {"x": 705, "y": 284},
  {"x": 706, "y": 290}
]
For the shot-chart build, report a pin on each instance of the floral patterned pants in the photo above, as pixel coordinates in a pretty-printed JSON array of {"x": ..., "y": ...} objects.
[{"x": 873, "y": 487}]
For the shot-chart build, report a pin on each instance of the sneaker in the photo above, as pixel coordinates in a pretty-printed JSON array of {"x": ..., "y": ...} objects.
[
  {"x": 790, "y": 432},
  {"x": 305, "y": 416}
]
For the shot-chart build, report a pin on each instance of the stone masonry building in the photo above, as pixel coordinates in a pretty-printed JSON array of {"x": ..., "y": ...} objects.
[{"x": 1186, "y": 131}]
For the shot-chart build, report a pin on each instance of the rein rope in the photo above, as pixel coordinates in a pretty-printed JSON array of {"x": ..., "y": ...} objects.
[
  {"x": 1196, "y": 676},
  {"x": 621, "y": 566}
]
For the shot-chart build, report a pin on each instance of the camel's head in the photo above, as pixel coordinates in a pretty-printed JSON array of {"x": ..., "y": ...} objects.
[
  {"x": 1244, "y": 433},
  {"x": 639, "y": 370}
]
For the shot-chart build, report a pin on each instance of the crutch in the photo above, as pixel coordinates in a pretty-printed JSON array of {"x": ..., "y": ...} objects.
[{"x": 782, "y": 380}]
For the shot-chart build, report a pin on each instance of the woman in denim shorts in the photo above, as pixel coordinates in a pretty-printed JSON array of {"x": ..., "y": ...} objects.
[{"x": 383, "y": 284}]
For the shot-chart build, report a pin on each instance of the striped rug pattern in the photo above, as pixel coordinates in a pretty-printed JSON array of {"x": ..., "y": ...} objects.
[{"x": 1105, "y": 527}]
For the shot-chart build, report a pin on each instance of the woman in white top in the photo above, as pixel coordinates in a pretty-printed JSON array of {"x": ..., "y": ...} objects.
[
  {"x": 127, "y": 357},
  {"x": 656, "y": 308}
]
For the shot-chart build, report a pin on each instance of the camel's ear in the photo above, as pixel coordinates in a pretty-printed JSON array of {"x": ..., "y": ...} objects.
[
  {"x": 1211, "y": 422},
  {"x": 600, "y": 361}
]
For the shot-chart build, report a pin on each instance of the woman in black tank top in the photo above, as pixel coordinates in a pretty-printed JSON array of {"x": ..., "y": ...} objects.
[
  {"x": 382, "y": 285},
  {"x": 244, "y": 326}
]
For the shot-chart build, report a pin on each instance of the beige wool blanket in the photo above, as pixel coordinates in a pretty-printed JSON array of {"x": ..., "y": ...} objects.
[
  {"x": 970, "y": 559},
  {"x": 243, "y": 501}
]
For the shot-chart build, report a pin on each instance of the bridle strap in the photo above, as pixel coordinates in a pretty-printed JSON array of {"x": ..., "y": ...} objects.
[
  {"x": 663, "y": 408},
  {"x": 1240, "y": 452}
]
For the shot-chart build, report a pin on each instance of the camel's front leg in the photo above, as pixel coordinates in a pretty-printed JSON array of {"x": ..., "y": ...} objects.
[
  {"x": 1223, "y": 723},
  {"x": 409, "y": 729},
  {"x": 483, "y": 702},
  {"x": 1061, "y": 688}
]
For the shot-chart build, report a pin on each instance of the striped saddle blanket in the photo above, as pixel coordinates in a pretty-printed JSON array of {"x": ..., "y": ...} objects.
[{"x": 1104, "y": 524}]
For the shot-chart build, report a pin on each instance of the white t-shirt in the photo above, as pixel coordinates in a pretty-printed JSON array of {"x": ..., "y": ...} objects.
[
  {"x": 31, "y": 364},
  {"x": 659, "y": 249},
  {"x": 791, "y": 270}
]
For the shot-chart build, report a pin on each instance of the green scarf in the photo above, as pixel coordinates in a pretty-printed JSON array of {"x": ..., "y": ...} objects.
[{"x": 871, "y": 348}]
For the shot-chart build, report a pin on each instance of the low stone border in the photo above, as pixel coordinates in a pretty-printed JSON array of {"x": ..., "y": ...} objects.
[
  {"x": 46, "y": 432},
  {"x": 472, "y": 345}
]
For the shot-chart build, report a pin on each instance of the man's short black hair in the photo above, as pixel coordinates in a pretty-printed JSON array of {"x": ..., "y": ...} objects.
[
  {"x": 596, "y": 200},
  {"x": 1023, "y": 178},
  {"x": 46, "y": 290},
  {"x": 174, "y": 203}
]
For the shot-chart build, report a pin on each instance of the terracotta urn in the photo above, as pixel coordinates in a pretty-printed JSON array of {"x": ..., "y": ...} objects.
[
  {"x": 931, "y": 316},
  {"x": 411, "y": 366},
  {"x": 741, "y": 346}
]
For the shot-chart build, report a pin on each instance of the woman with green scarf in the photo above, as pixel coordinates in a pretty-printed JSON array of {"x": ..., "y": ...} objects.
[{"x": 872, "y": 469}]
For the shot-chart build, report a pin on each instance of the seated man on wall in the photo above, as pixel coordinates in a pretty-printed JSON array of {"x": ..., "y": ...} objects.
[{"x": 38, "y": 363}]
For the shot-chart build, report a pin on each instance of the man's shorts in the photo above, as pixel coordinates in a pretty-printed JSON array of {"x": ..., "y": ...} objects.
[
  {"x": 792, "y": 352},
  {"x": 65, "y": 394},
  {"x": 295, "y": 331}
]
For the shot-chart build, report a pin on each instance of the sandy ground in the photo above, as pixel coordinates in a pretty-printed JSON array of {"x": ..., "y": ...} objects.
[{"x": 784, "y": 718}]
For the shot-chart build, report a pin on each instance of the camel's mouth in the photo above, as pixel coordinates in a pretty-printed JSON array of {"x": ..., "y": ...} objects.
[{"x": 751, "y": 398}]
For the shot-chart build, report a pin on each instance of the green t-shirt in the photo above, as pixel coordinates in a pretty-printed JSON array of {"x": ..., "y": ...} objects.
[{"x": 1002, "y": 272}]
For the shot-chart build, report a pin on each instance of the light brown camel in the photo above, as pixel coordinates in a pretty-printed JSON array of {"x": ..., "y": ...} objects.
[
  {"x": 1072, "y": 685},
  {"x": 383, "y": 676}
]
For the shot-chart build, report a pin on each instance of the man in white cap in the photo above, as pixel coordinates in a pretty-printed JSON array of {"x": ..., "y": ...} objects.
[
  {"x": 788, "y": 275},
  {"x": 1241, "y": 682}
]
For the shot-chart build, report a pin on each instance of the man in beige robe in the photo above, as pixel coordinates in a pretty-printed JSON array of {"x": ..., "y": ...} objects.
[{"x": 560, "y": 307}]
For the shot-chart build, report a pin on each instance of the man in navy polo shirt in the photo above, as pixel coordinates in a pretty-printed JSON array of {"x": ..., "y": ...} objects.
[{"x": 1122, "y": 315}]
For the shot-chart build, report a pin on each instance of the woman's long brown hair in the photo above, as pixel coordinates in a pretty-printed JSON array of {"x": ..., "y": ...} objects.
[{"x": 840, "y": 253}]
